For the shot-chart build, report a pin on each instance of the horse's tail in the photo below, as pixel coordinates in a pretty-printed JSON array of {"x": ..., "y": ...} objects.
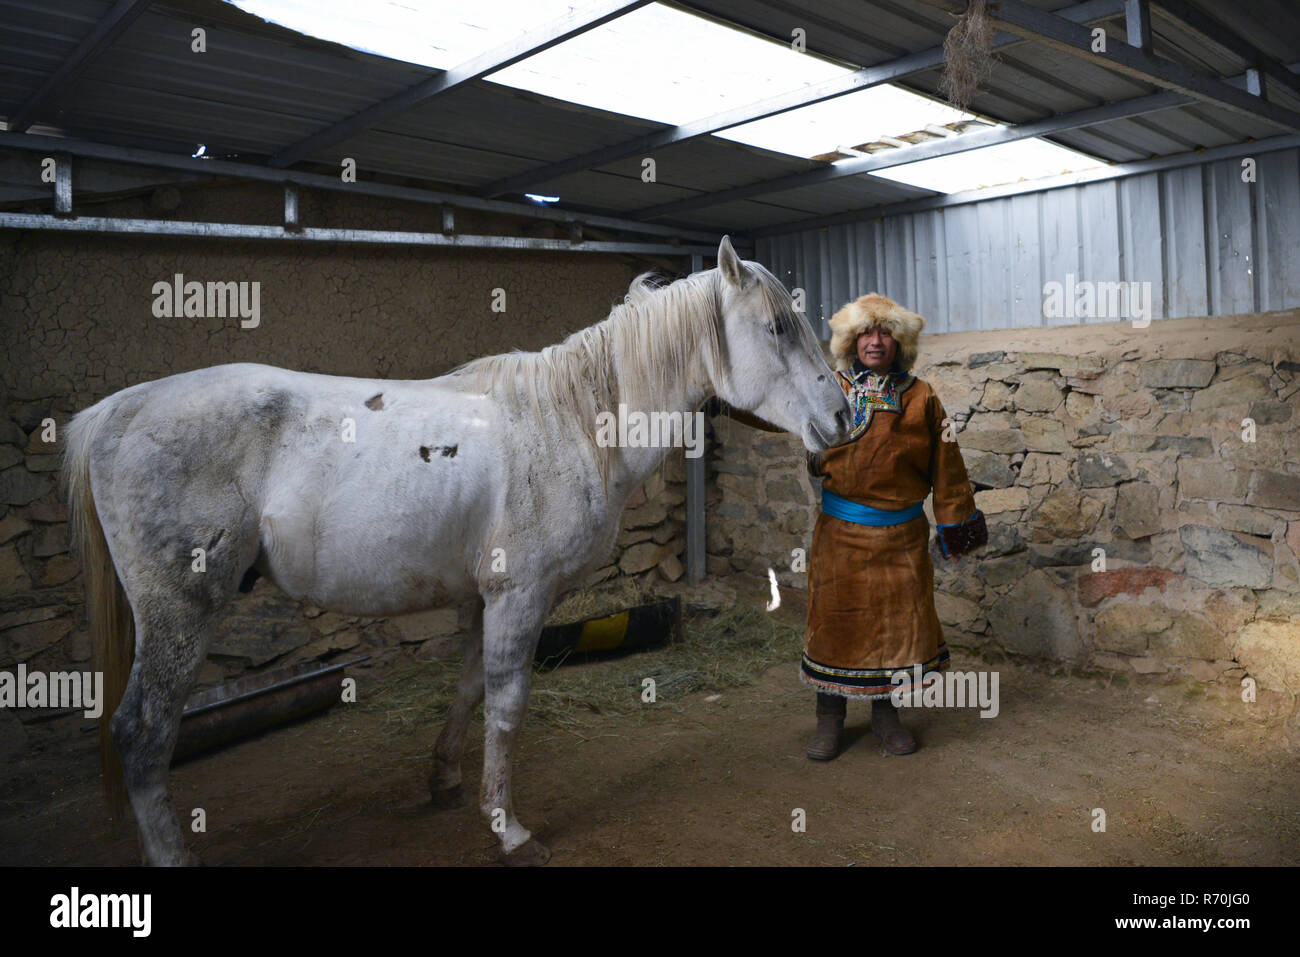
[{"x": 112, "y": 625}]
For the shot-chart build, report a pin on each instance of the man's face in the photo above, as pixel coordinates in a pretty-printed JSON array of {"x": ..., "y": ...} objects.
[{"x": 877, "y": 349}]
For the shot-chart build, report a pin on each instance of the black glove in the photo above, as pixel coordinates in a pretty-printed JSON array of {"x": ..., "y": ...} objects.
[{"x": 962, "y": 538}]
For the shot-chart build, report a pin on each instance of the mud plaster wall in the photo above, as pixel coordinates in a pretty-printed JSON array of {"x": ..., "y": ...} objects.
[
  {"x": 77, "y": 324},
  {"x": 1084, "y": 438}
]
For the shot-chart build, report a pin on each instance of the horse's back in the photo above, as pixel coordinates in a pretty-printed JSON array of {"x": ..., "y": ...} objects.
[{"x": 348, "y": 487}]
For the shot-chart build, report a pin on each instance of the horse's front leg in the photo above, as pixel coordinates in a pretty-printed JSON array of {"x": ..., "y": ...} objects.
[{"x": 512, "y": 622}]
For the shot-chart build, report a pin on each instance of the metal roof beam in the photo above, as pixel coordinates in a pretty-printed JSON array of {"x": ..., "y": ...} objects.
[
  {"x": 49, "y": 145},
  {"x": 384, "y": 237},
  {"x": 1137, "y": 24},
  {"x": 520, "y": 48},
  {"x": 910, "y": 65},
  {"x": 122, "y": 15},
  {"x": 1060, "y": 34},
  {"x": 1118, "y": 171},
  {"x": 63, "y": 186},
  {"x": 1220, "y": 34}
]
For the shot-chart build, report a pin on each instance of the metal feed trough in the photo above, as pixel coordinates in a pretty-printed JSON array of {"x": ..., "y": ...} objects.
[{"x": 242, "y": 708}]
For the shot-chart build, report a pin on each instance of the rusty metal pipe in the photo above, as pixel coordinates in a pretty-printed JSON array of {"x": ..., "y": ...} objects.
[{"x": 247, "y": 706}]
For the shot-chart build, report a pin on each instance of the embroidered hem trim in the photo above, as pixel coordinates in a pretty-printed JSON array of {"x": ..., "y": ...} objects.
[{"x": 866, "y": 682}]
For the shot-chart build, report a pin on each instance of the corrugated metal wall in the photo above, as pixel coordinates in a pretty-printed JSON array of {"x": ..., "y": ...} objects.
[{"x": 1208, "y": 243}]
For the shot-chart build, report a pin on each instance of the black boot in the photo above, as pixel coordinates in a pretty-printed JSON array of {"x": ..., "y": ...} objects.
[
  {"x": 885, "y": 726},
  {"x": 825, "y": 743}
]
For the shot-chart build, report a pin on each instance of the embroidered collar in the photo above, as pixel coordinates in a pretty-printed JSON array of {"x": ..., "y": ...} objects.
[{"x": 870, "y": 392}]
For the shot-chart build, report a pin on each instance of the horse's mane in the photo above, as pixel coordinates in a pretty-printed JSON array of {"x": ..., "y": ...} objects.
[{"x": 654, "y": 337}]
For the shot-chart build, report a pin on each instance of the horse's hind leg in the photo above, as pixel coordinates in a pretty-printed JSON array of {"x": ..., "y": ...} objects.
[
  {"x": 171, "y": 642},
  {"x": 444, "y": 783},
  {"x": 512, "y": 623}
]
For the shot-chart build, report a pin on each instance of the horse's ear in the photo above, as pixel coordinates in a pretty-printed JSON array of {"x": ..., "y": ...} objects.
[{"x": 729, "y": 264}]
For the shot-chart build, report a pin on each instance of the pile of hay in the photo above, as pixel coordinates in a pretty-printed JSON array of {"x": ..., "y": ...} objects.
[
  {"x": 609, "y": 599},
  {"x": 968, "y": 56}
]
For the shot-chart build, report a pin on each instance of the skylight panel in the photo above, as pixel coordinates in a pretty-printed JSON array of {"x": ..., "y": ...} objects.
[
  {"x": 846, "y": 121},
  {"x": 670, "y": 66},
  {"x": 663, "y": 64},
  {"x": 991, "y": 166},
  {"x": 436, "y": 33}
]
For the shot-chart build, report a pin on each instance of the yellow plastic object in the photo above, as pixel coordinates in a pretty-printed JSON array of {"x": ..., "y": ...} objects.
[{"x": 603, "y": 634}]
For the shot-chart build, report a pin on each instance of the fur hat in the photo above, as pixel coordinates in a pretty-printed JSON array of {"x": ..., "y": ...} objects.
[{"x": 866, "y": 313}]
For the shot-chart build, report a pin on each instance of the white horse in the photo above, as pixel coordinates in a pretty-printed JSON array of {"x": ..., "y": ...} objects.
[{"x": 485, "y": 487}]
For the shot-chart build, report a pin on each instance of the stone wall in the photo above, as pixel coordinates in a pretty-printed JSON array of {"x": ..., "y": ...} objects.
[
  {"x": 1089, "y": 444},
  {"x": 77, "y": 324},
  {"x": 765, "y": 504}
]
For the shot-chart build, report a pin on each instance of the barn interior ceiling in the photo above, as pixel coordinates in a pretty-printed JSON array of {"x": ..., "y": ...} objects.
[{"x": 120, "y": 88}]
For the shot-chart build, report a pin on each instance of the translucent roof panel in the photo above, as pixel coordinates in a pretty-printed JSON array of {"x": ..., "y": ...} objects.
[{"x": 667, "y": 65}]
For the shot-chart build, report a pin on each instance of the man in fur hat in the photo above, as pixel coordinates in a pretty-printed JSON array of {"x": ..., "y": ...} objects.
[
  {"x": 871, "y": 613},
  {"x": 871, "y": 608}
]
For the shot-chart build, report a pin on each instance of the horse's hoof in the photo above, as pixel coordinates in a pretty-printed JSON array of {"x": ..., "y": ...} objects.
[
  {"x": 444, "y": 799},
  {"x": 532, "y": 853},
  {"x": 182, "y": 858},
  {"x": 186, "y": 858}
]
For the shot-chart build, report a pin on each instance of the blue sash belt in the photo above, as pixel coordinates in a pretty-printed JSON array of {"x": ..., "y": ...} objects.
[{"x": 837, "y": 506}]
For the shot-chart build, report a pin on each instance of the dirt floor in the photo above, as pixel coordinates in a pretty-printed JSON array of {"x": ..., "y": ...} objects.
[{"x": 1185, "y": 773}]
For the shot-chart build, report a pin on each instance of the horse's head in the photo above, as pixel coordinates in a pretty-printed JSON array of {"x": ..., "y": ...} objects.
[{"x": 774, "y": 364}]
